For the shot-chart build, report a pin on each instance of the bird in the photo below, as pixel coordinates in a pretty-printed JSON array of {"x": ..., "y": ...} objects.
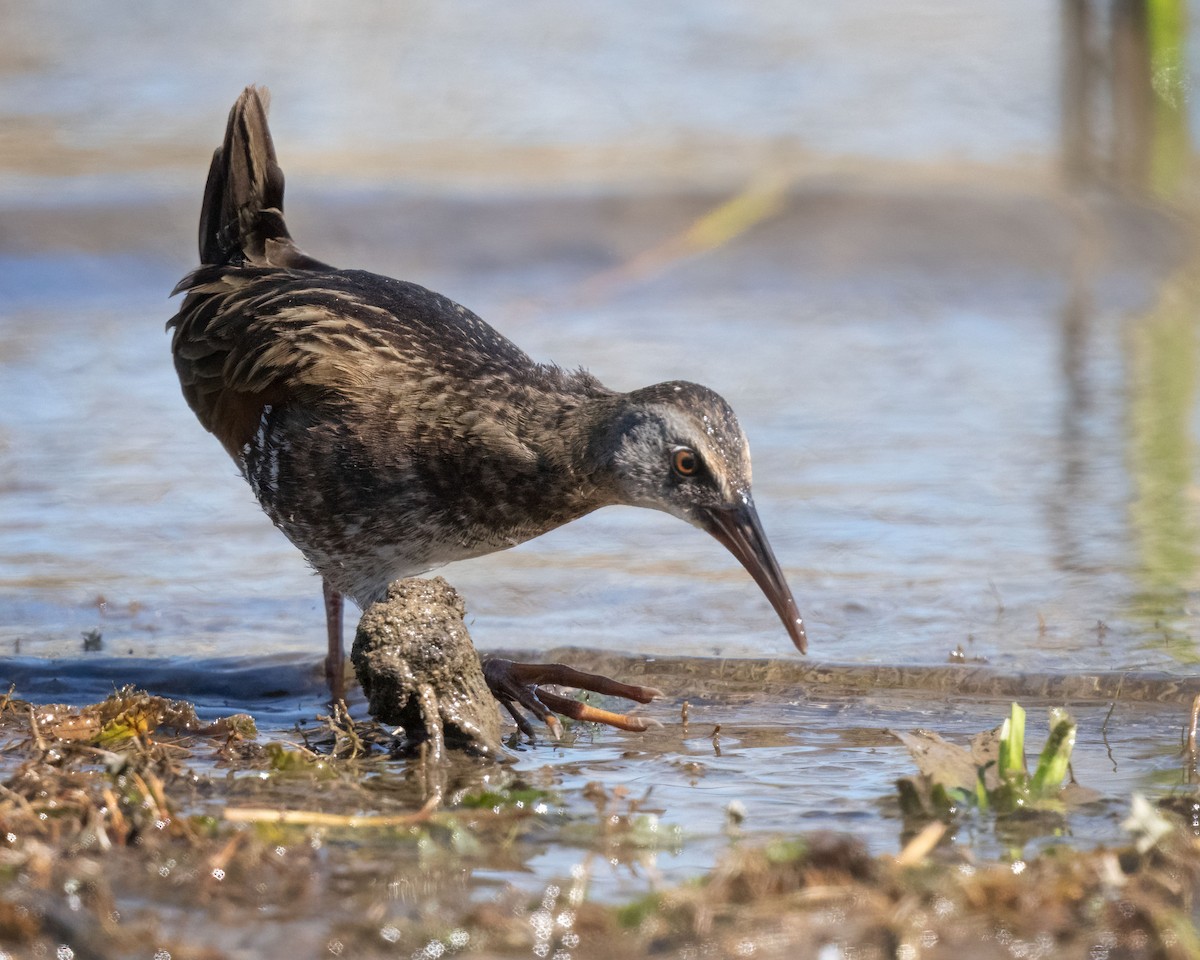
[{"x": 386, "y": 430}]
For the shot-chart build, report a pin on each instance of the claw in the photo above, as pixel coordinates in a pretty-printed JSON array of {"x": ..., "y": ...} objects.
[{"x": 522, "y": 724}]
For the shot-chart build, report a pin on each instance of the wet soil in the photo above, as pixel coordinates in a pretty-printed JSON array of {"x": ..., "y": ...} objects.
[{"x": 129, "y": 827}]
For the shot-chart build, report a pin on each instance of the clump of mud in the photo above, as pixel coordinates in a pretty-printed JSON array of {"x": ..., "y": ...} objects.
[{"x": 419, "y": 670}]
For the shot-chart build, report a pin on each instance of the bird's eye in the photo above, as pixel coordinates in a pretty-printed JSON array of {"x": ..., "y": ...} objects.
[{"x": 685, "y": 462}]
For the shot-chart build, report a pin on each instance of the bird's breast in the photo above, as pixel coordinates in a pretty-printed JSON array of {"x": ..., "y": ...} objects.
[{"x": 370, "y": 501}]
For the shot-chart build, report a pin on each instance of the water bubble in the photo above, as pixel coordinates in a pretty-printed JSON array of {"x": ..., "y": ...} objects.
[{"x": 542, "y": 924}]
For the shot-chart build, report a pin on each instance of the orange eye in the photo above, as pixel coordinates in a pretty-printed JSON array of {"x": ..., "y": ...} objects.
[{"x": 685, "y": 462}]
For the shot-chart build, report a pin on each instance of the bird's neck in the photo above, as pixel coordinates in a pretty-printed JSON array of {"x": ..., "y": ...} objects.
[
  {"x": 567, "y": 475},
  {"x": 579, "y": 445}
]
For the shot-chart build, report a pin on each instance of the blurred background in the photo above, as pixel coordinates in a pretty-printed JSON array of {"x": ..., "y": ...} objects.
[{"x": 938, "y": 255}]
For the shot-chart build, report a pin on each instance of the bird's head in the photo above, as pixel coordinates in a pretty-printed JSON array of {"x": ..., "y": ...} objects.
[{"x": 677, "y": 447}]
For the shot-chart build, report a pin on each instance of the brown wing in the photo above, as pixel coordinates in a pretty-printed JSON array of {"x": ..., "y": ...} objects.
[
  {"x": 264, "y": 323},
  {"x": 249, "y": 336}
]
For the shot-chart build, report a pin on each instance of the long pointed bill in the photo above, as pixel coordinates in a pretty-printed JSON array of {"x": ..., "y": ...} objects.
[{"x": 741, "y": 533}]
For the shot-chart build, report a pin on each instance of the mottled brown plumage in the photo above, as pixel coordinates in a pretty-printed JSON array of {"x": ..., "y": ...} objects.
[{"x": 386, "y": 430}]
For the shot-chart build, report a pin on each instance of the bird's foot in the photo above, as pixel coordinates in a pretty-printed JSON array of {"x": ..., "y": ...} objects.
[{"x": 517, "y": 684}]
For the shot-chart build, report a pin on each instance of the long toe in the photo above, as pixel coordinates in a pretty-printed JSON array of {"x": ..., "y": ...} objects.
[
  {"x": 577, "y": 710},
  {"x": 562, "y": 675},
  {"x": 516, "y": 684}
]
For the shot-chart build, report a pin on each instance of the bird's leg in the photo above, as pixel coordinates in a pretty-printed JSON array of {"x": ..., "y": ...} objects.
[
  {"x": 335, "y": 659},
  {"x": 517, "y": 684}
]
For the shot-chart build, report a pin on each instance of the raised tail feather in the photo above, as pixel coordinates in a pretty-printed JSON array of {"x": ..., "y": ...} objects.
[
  {"x": 242, "y": 217},
  {"x": 245, "y": 249}
]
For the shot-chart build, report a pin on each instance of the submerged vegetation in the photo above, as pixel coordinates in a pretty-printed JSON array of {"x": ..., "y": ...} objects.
[{"x": 130, "y": 828}]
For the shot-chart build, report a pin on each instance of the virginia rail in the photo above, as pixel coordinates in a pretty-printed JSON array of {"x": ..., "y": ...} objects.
[{"x": 386, "y": 430}]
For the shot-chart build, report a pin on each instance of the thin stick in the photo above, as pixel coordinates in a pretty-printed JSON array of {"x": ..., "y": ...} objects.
[
  {"x": 920, "y": 846},
  {"x": 318, "y": 818},
  {"x": 1193, "y": 722}
]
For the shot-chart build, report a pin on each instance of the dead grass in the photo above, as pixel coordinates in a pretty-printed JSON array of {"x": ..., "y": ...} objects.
[{"x": 113, "y": 845}]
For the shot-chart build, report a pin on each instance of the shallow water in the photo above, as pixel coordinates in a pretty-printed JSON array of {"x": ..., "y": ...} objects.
[
  {"x": 927, "y": 472},
  {"x": 970, "y": 397},
  {"x": 793, "y": 748}
]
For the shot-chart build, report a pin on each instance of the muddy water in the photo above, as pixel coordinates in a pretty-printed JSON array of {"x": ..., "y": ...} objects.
[{"x": 970, "y": 399}]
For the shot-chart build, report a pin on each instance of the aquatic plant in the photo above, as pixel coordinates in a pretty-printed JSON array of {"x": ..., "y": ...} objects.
[{"x": 991, "y": 775}]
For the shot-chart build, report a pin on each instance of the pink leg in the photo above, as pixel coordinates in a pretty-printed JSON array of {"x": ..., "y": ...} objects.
[{"x": 335, "y": 659}]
